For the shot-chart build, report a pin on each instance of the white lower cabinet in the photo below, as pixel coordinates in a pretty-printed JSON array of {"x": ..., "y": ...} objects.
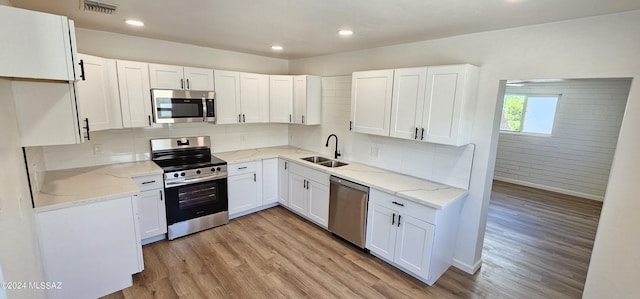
[
  {"x": 283, "y": 182},
  {"x": 269, "y": 181},
  {"x": 244, "y": 187},
  {"x": 151, "y": 207},
  {"x": 93, "y": 249},
  {"x": 415, "y": 238},
  {"x": 309, "y": 193}
]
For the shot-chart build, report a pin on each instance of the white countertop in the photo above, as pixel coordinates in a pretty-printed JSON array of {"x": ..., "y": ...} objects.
[
  {"x": 70, "y": 187},
  {"x": 418, "y": 190}
]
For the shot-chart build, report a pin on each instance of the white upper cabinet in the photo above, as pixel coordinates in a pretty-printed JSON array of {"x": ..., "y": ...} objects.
[
  {"x": 280, "y": 99},
  {"x": 135, "y": 98},
  {"x": 408, "y": 101},
  {"x": 98, "y": 94},
  {"x": 254, "y": 98},
  {"x": 178, "y": 77},
  {"x": 227, "y": 97},
  {"x": 431, "y": 104},
  {"x": 447, "y": 116},
  {"x": 307, "y": 100},
  {"x": 36, "y": 45},
  {"x": 371, "y": 93}
]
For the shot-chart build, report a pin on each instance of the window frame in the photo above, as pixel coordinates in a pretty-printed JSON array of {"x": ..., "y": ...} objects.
[{"x": 524, "y": 112}]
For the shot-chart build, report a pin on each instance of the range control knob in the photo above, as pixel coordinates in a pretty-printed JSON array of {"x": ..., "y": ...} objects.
[
  {"x": 218, "y": 168},
  {"x": 213, "y": 169},
  {"x": 175, "y": 175},
  {"x": 198, "y": 171},
  {"x": 183, "y": 174}
]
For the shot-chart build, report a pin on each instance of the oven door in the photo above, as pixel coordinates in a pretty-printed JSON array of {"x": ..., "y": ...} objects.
[{"x": 195, "y": 200}]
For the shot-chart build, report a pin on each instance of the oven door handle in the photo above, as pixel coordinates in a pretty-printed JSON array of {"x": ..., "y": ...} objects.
[{"x": 198, "y": 180}]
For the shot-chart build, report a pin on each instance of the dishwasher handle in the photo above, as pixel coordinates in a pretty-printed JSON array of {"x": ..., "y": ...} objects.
[{"x": 350, "y": 184}]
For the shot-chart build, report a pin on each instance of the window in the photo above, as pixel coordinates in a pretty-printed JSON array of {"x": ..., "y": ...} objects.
[{"x": 529, "y": 113}]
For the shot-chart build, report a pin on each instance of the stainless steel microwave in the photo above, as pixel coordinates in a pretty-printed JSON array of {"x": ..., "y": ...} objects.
[{"x": 183, "y": 106}]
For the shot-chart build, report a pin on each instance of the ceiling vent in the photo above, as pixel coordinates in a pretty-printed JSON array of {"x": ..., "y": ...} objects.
[{"x": 97, "y": 6}]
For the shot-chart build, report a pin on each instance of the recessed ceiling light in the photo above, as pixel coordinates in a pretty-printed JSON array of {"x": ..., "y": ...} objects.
[
  {"x": 276, "y": 48},
  {"x": 345, "y": 32},
  {"x": 134, "y": 23}
]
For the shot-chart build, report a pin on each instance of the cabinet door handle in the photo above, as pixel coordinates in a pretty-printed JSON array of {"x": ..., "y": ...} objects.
[
  {"x": 86, "y": 121},
  {"x": 350, "y": 125},
  {"x": 393, "y": 219},
  {"x": 81, "y": 63},
  {"x": 254, "y": 177},
  {"x": 399, "y": 216},
  {"x": 161, "y": 197},
  {"x": 239, "y": 118},
  {"x": 149, "y": 120},
  {"x": 244, "y": 120},
  {"x": 303, "y": 119},
  {"x": 182, "y": 83},
  {"x": 188, "y": 87},
  {"x": 290, "y": 118},
  {"x": 148, "y": 182},
  {"x": 397, "y": 203},
  {"x": 422, "y": 134},
  {"x": 285, "y": 165},
  {"x": 416, "y": 135}
]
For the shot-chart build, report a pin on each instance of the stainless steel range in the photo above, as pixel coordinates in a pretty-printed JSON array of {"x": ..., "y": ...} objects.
[{"x": 195, "y": 184}]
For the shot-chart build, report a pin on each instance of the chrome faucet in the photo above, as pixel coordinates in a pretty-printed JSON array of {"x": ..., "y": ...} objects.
[{"x": 336, "y": 153}]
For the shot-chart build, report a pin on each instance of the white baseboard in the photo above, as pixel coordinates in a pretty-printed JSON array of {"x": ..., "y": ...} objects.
[
  {"x": 471, "y": 269},
  {"x": 549, "y": 188}
]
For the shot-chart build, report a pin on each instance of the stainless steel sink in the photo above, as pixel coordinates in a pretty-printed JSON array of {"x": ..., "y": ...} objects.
[
  {"x": 316, "y": 159},
  {"x": 333, "y": 164}
]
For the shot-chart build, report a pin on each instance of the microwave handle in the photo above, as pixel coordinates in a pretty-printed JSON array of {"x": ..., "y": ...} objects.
[{"x": 204, "y": 109}]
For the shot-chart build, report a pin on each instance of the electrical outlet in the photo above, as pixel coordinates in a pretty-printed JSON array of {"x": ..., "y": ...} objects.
[
  {"x": 97, "y": 148},
  {"x": 375, "y": 152}
]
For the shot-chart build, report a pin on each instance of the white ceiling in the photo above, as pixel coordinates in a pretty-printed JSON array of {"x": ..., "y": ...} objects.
[{"x": 308, "y": 28}]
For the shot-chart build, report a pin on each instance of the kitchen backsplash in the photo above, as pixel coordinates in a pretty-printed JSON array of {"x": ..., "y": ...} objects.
[
  {"x": 440, "y": 163},
  {"x": 128, "y": 145}
]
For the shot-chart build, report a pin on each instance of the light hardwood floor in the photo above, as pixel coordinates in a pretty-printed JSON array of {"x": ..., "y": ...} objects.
[{"x": 537, "y": 245}]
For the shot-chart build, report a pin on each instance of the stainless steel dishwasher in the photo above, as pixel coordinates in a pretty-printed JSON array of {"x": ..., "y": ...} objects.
[{"x": 348, "y": 210}]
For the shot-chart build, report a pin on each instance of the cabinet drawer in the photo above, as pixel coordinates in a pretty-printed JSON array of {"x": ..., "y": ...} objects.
[
  {"x": 149, "y": 182},
  {"x": 241, "y": 168},
  {"x": 311, "y": 174},
  {"x": 403, "y": 206}
]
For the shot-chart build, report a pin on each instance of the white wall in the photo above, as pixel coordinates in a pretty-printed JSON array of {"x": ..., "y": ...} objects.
[
  {"x": 19, "y": 252},
  {"x": 445, "y": 164},
  {"x": 120, "y": 46},
  {"x": 127, "y": 145},
  {"x": 597, "y": 47},
  {"x": 576, "y": 158}
]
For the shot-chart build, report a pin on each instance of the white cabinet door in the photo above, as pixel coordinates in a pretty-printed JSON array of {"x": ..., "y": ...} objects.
[
  {"x": 269, "y": 181},
  {"x": 413, "y": 245},
  {"x": 36, "y": 45},
  {"x": 135, "y": 98},
  {"x": 307, "y": 100},
  {"x": 243, "y": 192},
  {"x": 93, "y": 248},
  {"x": 254, "y": 98},
  {"x": 283, "y": 182},
  {"x": 449, "y": 103},
  {"x": 298, "y": 193},
  {"x": 198, "y": 78},
  {"x": 227, "y": 97},
  {"x": 166, "y": 76},
  {"x": 280, "y": 99},
  {"x": 98, "y": 95},
  {"x": 381, "y": 230},
  {"x": 153, "y": 219},
  {"x": 371, "y": 93},
  {"x": 408, "y": 101},
  {"x": 318, "y": 203}
]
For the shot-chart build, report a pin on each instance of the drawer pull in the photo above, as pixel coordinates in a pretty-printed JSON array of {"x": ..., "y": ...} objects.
[
  {"x": 148, "y": 182},
  {"x": 244, "y": 167},
  {"x": 397, "y": 203}
]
